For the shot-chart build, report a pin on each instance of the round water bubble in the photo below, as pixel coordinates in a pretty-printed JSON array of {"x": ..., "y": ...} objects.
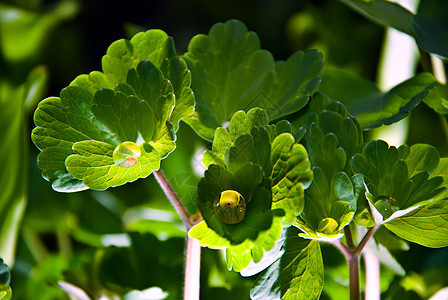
[
  {"x": 230, "y": 207},
  {"x": 327, "y": 226},
  {"x": 126, "y": 154}
]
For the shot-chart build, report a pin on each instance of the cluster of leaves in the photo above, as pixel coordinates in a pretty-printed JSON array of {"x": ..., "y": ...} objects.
[
  {"x": 315, "y": 174},
  {"x": 269, "y": 169},
  {"x": 140, "y": 97}
]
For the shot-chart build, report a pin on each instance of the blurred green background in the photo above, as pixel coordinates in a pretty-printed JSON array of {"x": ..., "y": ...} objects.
[{"x": 81, "y": 239}]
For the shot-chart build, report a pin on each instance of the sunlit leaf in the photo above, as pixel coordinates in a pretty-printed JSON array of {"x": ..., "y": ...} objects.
[
  {"x": 427, "y": 225},
  {"x": 298, "y": 274},
  {"x": 81, "y": 131}
]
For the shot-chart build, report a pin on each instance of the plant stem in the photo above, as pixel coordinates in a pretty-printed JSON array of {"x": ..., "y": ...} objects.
[
  {"x": 192, "y": 269},
  {"x": 174, "y": 199},
  {"x": 353, "y": 265},
  {"x": 352, "y": 254},
  {"x": 349, "y": 237},
  {"x": 365, "y": 239},
  {"x": 193, "y": 252}
]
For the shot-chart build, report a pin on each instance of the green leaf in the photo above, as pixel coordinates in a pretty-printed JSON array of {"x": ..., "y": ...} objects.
[
  {"x": 298, "y": 274},
  {"x": 15, "y": 101},
  {"x": 92, "y": 126},
  {"x": 368, "y": 104},
  {"x": 430, "y": 36},
  {"x": 258, "y": 215},
  {"x": 329, "y": 207},
  {"x": 239, "y": 256},
  {"x": 437, "y": 99},
  {"x": 421, "y": 158},
  {"x": 383, "y": 12},
  {"x": 24, "y": 31},
  {"x": 156, "y": 47},
  {"x": 426, "y": 225},
  {"x": 291, "y": 174},
  {"x": 94, "y": 164},
  {"x": 230, "y": 72},
  {"x": 398, "y": 178},
  {"x": 234, "y": 146}
]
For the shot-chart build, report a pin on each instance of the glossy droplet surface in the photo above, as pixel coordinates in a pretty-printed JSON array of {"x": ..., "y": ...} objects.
[
  {"x": 328, "y": 226},
  {"x": 230, "y": 207},
  {"x": 386, "y": 206},
  {"x": 126, "y": 154}
]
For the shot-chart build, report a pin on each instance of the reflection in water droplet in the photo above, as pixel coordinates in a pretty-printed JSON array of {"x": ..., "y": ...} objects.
[
  {"x": 126, "y": 154},
  {"x": 230, "y": 207},
  {"x": 327, "y": 226}
]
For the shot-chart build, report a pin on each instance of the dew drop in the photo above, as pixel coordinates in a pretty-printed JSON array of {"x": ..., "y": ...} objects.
[
  {"x": 126, "y": 154},
  {"x": 327, "y": 226},
  {"x": 230, "y": 207}
]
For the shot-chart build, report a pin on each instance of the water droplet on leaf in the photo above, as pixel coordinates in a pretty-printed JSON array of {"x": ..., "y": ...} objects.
[
  {"x": 126, "y": 154},
  {"x": 230, "y": 207},
  {"x": 327, "y": 226},
  {"x": 386, "y": 206}
]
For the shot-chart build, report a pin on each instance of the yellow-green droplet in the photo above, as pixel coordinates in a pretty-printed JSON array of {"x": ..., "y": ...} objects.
[
  {"x": 327, "y": 226},
  {"x": 230, "y": 207},
  {"x": 126, "y": 154}
]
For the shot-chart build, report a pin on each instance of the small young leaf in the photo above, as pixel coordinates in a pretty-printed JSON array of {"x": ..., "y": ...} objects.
[
  {"x": 298, "y": 274},
  {"x": 398, "y": 179},
  {"x": 230, "y": 72}
]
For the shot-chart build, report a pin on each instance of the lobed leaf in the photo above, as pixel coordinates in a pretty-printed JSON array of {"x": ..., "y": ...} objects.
[
  {"x": 291, "y": 174},
  {"x": 398, "y": 179},
  {"x": 368, "y": 104},
  {"x": 91, "y": 126},
  {"x": 230, "y": 72},
  {"x": 94, "y": 165},
  {"x": 298, "y": 274}
]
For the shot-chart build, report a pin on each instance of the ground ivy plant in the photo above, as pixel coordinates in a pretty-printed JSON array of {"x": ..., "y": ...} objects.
[{"x": 288, "y": 167}]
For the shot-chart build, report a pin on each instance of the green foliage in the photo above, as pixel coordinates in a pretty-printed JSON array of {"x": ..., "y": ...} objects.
[
  {"x": 15, "y": 103},
  {"x": 430, "y": 36},
  {"x": 368, "y": 104},
  {"x": 332, "y": 139},
  {"x": 426, "y": 225},
  {"x": 399, "y": 177},
  {"x": 437, "y": 99},
  {"x": 230, "y": 72},
  {"x": 79, "y": 131},
  {"x": 269, "y": 170},
  {"x": 145, "y": 108},
  {"x": 24, "y": 31},
  {"x": 298, "y": 274},
  {"x": 386, "y": 13}
]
